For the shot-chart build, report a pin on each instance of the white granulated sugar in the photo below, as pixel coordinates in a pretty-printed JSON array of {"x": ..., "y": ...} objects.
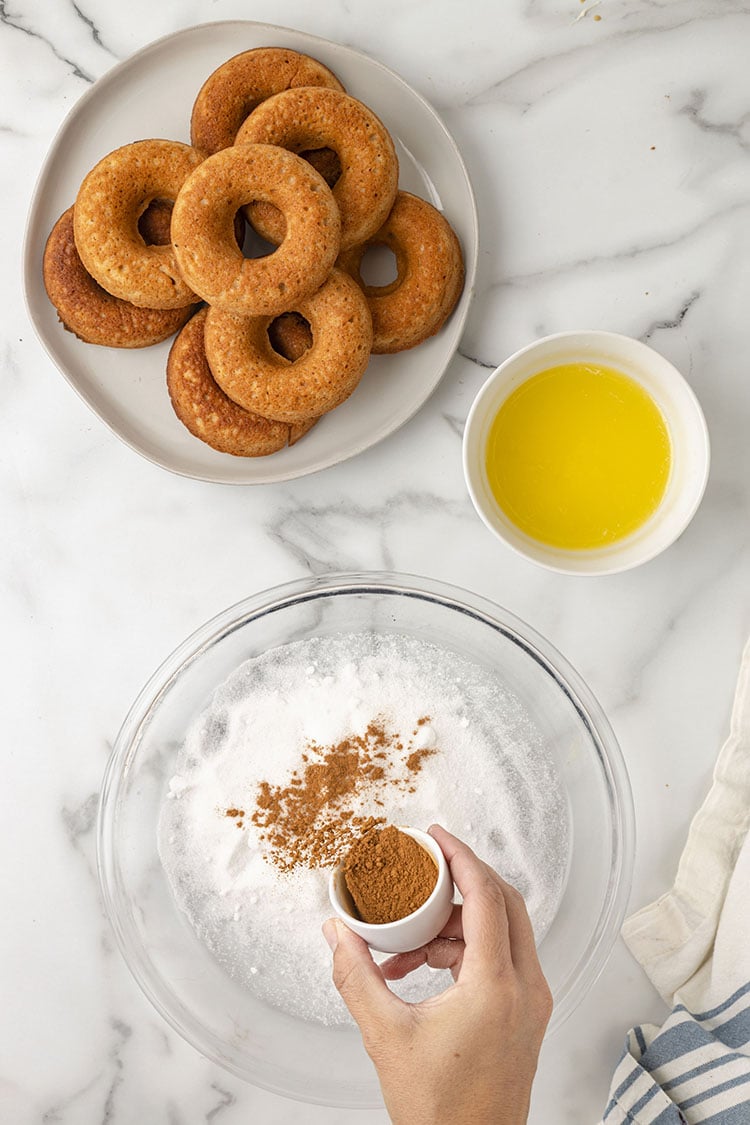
[{"x": 490, "y": 780}]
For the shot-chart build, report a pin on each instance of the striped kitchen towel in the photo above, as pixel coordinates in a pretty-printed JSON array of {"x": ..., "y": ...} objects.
[{"x": 694, "y": 944}]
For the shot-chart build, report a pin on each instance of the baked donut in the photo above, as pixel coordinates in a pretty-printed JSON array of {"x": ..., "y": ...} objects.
[
  {"x": 208, "y": 257},
  {"x": 289, "y": 335},
  {"x": 109, "y": 204},
  {"x": 243, "y": 82},
  {"x": 155, "y": 223},
  {"x": 314, "y": 118},
  {"x": 430, "y": 275},
  {"x": 206, "y": 411},
  {"x": 256, "y": 377},
  {"x": 89, "y": 311},
  {"x": 267, "y": 217}
]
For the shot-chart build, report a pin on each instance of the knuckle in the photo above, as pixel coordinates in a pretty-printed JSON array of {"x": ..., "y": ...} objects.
[
  {"x": 514, "y": 895},
  {"x": 492, "y": 894},
  {"x": 545, "y": 1002},
  {"x": 539, "y": 1005}
]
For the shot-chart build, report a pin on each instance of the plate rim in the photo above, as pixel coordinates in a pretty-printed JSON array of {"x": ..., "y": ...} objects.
[{"x": 29, "y": 248}]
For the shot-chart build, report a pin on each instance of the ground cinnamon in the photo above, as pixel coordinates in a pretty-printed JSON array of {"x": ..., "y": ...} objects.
[
  {"x": 389, "y": 875},
  {"x": 311, "y": 820}
]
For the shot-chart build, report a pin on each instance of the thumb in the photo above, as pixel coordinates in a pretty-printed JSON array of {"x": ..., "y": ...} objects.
[{"x": 359, "y": 980}]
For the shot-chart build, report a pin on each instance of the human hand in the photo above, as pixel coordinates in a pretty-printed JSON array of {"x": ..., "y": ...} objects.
[{"x": 469, "y": 1055}]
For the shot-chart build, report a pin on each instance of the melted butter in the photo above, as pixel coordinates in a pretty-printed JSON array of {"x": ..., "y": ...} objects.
[{"x": 578, "y": 456}]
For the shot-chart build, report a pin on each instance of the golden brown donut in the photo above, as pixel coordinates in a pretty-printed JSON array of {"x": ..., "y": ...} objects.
[
  {"x": 206, "y": 411},
  {"x": 91, "y": 313},
  {"x": 155, "y": 223},
  {"x": 314, "y": 118},
  {"x": 109, "y": 204},
  {"x": 430, "y": 275},
  {"x": 267, "y": 217},
  {"x": 243, "y": 82},
  {"x": 298, "y": 430},
  {"x": 202, "y": 230},
  {"x": 256, "y": 377}
]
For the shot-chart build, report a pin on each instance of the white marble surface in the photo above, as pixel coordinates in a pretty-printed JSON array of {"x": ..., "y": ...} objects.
[{"x": 611, "y": 161}]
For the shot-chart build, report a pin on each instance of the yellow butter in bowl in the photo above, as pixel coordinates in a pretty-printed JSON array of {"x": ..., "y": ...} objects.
[
  {"x": 586, "y": 452},
  {"x": 578, "y": 456}
]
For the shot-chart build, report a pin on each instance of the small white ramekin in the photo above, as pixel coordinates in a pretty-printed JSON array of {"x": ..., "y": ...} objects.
[
  {"x": 687, "y": 431},
  {"x": 415, "y": 929}
]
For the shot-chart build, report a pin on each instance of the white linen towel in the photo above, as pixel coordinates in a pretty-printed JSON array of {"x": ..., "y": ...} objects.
[{"x": 694, "y": 944}]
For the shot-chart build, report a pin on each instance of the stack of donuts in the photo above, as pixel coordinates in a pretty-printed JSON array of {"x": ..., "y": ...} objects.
[{"x": 266, "y": 345}]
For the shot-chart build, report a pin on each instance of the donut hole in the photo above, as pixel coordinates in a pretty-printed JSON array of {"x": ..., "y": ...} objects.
[
  {"x": 154, "y": 223},
  {"x": 253, "y": 244},
  {"x": 379, "y": 270},
  {"x": 240, "y": 229},
  {"x": 290, "y": 335},
  {"x": 325, "y": 161}
]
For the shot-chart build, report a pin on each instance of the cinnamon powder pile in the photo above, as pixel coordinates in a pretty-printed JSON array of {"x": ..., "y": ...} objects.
[
  {"x": 311, "y": 821},
  {"x": 389, "y": 875}
]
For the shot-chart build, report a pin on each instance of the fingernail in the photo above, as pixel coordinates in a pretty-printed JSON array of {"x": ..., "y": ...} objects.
[{"x": 331, "y": 933}]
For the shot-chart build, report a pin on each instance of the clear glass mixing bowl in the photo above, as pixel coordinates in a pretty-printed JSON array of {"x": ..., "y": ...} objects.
[{"x": 181, "y": 978}]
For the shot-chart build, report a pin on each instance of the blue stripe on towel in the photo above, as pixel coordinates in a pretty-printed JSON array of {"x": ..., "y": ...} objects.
[
  {"x": 724, "y": 1087},
  {"x": 736, "y": 1115},
  {"x": 709, "y": 1015},
  {"x": 624, "y": 1086},
  {"x": 673, "y": 1041},
  {"x": 696, "y": 1071},
  {"x": 690, "y": 1059},
  {"x": 669, "y": 1116},
  {"x": 643, "y": 1101},
  {"x": 735, "y": 1032},
  {"x": 629, "y": 1098}
]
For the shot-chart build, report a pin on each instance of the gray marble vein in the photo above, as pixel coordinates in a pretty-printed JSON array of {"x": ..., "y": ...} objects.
[
  {"x": 11, "y": 20},
  {"x": 670, "y": 322},
  {"x": 719, "y": 218},
  {"x": 487, "y": 365},
  {"x": 95, "y": 35},
  {"x": 697, "y": 110},
  {"x": 610, "y": 160},
  {"x": 542, "y": 77}
]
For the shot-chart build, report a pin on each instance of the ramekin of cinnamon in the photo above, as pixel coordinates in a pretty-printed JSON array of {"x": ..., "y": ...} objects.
[{"x": 393, "y": 888}]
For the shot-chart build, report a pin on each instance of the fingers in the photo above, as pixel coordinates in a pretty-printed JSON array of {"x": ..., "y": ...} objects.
[
  {"x": 484, "y": 916},
  {"x": 359, "y": 980},
  {"x": 453, "y": 928},
  {"x": 441, "y": 953},
  {"x": 521, "y": 934},
  {"x": 522, "y": 942}
]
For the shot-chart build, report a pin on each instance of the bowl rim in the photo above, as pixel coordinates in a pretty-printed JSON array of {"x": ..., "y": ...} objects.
[
  {"x": 614, "y": 563},
  {"x": 593, "y": 958}
]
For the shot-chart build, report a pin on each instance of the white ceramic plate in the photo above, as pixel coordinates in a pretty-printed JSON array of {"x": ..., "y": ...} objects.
[{"x": 151, "y": 95}]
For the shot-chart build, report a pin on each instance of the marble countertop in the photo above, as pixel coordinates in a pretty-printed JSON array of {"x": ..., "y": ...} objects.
[{"x": 611, "y": 163}]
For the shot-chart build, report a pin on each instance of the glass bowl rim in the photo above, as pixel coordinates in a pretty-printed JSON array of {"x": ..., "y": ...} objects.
[{"x": 609, "y": 757}]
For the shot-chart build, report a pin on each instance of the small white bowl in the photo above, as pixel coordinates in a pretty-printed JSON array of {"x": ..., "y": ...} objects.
[
  {"x": 415, "y": 929},
  {"x": 687, "y": 431}
]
